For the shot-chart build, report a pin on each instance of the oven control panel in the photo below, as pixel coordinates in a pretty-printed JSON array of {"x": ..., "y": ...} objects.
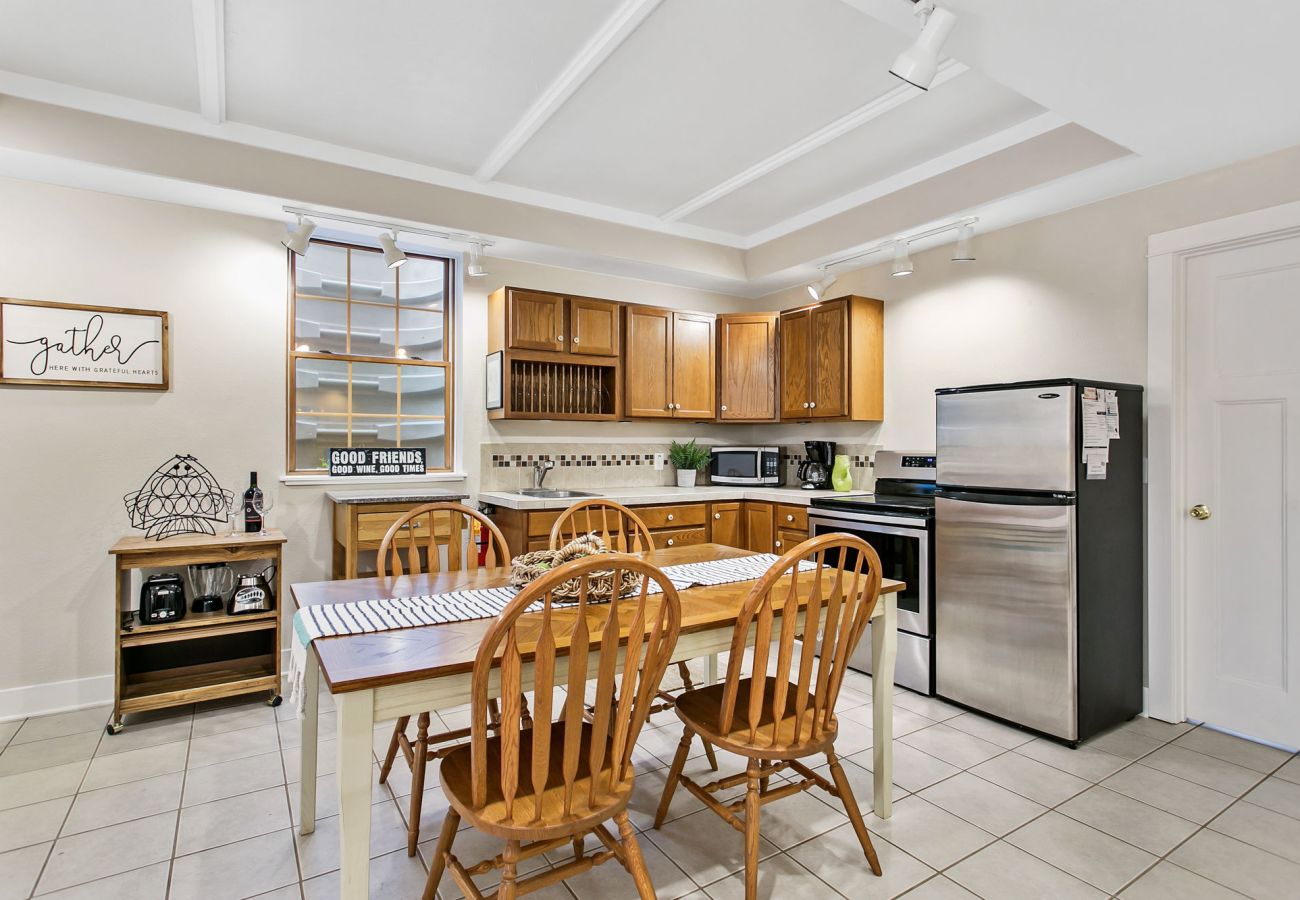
[{"x": 911, "y": 466}]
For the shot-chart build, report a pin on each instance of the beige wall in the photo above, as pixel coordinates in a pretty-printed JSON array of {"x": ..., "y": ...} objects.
[{"x": 68, "y": 456}]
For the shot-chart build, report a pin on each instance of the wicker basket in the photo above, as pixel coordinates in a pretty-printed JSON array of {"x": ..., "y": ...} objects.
[{"x": 528, "y": 567}]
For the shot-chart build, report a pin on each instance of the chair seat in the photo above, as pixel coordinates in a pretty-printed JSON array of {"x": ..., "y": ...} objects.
[
  {"x": 541, "y": 815},
  {"x": 701, "y": 709}
]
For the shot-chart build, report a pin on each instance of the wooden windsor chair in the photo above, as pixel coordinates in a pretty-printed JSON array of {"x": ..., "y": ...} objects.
[
  {"x": 466, "y": 529},
  {"x": 623, "y": 530},
  {"x": 777, "y": 716},
  {"x": 543, "y": 787}
]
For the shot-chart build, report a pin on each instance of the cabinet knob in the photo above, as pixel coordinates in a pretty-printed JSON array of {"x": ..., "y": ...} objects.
[
  {"x": 559, "y": 337},
  {"x": 575, "y": 340},
  {"x": 670, "y": 517},
  {"x": 777, "y": 544},
  {"x": 717, "y": 515},
  {"x": 805, "y": 406},
  {"x": 789, "y": 518},
  {"x": 670, "y": 542},
  {"x": 812, "y": 405},
  {"x": 724, "y": 408}
]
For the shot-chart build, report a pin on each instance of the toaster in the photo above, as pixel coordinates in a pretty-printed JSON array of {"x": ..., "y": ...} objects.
[{"x": 162, "y": 599}]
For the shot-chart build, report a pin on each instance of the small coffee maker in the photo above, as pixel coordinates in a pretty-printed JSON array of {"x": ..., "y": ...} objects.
[{"x": 815, "y": 470}]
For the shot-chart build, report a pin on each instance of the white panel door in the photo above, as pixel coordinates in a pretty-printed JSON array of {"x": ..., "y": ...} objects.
[{"x": 1243, "y": 466}]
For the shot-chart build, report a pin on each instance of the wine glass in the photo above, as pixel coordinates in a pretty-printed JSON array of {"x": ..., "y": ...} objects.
[
  {"x": 263, "y": 503},
  {"x": 233, "y": 506}
]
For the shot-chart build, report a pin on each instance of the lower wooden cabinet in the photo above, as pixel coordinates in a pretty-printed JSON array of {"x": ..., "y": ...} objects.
[
  {"x": 360, "y": 526},
  {"x": 759, "y": 526},
  {"x": 724, "y": 520}
]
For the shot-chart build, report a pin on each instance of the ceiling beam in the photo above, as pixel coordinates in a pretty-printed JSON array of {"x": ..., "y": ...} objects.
[
  {"x": 872, "y": 109},
  {"x": 616, "y": 29},
  {"x": 210, "y": 55}
]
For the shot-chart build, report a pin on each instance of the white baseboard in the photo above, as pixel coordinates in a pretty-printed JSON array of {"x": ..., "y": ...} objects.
[
  {"x": 65, "y": 696},
  {"x": 55, "y": 697}
]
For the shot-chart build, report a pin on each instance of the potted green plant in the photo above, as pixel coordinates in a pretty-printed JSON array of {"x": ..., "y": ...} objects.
[{"x": 688, "y": 459}]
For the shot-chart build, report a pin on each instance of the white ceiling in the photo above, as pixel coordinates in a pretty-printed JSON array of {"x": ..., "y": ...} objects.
[{"x": 735, "y": 121}]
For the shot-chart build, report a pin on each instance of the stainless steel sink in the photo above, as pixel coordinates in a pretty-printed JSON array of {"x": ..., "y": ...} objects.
[{"x": 550, "y": 494}]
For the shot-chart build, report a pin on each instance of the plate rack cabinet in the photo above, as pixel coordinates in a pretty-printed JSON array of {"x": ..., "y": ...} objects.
[{"x": 202, "y": 656}]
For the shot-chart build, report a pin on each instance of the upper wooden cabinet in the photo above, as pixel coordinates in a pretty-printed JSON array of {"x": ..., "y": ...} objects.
[
  {"x": 747, "y": 367},
  {"x": 540, "y": 320},
  {"x": 670, "y": 364},
  {"x": 832, "y": 361}
]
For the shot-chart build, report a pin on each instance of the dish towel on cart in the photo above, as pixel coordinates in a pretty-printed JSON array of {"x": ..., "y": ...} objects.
[{"x": 370, "y": 616}]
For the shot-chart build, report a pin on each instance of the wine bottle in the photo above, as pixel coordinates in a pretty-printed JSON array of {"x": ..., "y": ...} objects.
[{"x": 252, "y": 518}]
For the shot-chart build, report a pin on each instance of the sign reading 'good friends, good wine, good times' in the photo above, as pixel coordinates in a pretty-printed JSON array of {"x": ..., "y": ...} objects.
[
  {"x": 82, "y": 346},
  {"x": 376, "y": 461}
]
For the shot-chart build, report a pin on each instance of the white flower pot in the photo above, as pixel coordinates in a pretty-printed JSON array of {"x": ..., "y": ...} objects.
[{"x": 686, "y": 477}]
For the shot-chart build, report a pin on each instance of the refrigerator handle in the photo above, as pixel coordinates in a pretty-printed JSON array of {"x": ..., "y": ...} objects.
[{"x": 1003, "y": 498}]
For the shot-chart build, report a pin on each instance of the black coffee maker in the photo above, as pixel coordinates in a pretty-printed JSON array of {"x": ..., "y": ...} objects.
[{"x": 815, "y": 470}]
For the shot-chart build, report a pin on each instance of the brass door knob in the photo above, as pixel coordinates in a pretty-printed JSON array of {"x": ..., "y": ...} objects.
[{"x": 1200, "y": 511}]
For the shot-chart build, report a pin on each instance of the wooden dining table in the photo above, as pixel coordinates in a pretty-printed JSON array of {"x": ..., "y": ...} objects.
[{"x": 380, "y": 676}]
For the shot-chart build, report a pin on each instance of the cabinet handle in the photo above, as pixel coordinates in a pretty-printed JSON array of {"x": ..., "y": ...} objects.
[
  {"x": 575, "y": 340},
  {"x": 670, "y": 517},
  {"x": 717, "y": 515},
  {"x": 777, "y": 544},
  {"x": 789, "y": 518},
  {"x": 559, "y": 337},
  {"x": 812, "y": 405},
  {"x": 670, "y": 542},
  {"x": 724, "y": 409},
  {"x": 805, "y": 406}
]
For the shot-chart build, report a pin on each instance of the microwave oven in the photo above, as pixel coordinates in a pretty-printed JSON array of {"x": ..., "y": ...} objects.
[{"x": 745, "y": 465}]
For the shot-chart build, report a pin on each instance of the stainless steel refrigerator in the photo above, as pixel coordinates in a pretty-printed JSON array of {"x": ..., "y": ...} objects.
[{"x": 1039, "y": 553}]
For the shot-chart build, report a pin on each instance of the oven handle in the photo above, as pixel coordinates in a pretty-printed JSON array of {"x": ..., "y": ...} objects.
[{"x": 886, "y": 525}]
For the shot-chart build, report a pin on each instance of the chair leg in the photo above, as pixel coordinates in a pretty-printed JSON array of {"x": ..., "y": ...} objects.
[
  {"x": 752, "y": 807},
  {"x": 635, "y": 861},
  {"x": 851, "y": 807},
  {"x": 689, "y": 685},
  {"x": 387, "y": 767},
  {"x": 679, "y": 762},
  {"x": 525, "y": 716},
  {"x": 421, "y": 749},
  {"x": 508, "y": 889},
  {"x": 579, "y": 847},
  {"x": 439, "y": 861}
]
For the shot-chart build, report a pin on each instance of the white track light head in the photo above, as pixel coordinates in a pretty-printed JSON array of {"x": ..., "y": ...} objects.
[
  {"x": 963, "y": 252},
  {"x": 393, "y": 255},
  {"x": 902, "y": 261},
  {"x": 474, "y": 269},
  {"x": 919, "y": 63},
  {"x": 298, "y": 239},
  {"x": 818, "y": 289}
]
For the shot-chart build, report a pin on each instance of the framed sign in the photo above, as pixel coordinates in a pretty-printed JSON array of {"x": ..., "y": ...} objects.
[
  {"x": 348, "y": 461},
  {"x": 70, "y": 345},
  {"x": 494, "y": 398}
]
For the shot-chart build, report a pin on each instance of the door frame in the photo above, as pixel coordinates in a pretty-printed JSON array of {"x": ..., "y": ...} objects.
[{"x": 1168, "y": 255}]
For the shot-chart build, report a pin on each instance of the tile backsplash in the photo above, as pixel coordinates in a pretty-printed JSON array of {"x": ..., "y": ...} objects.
[{"x": 587, "y": 466}]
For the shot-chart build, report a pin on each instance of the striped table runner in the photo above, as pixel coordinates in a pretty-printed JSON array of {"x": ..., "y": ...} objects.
[{"x": 370, "y": 616}]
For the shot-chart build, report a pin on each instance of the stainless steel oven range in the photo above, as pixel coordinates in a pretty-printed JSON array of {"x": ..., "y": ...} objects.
[{"x": 898, "y": 522}]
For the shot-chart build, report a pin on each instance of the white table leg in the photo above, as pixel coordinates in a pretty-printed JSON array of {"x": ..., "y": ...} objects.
[
  {"x": 310, "y": 729},
  {"x": 713, "y": 668},
  {"x": 884, "y": 648},
  {"x": 356, "y": 715}
]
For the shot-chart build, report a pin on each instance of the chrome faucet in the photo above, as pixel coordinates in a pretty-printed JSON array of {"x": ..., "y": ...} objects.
[{"x": 540, "y": 469}]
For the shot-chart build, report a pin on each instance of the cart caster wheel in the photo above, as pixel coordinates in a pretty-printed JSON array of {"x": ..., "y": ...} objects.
[
  {"x": 114, "y": 727},
  {"x": 276, "y": 700}
]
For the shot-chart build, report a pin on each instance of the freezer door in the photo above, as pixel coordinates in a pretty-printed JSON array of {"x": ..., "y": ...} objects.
[
  {"x": 1005, "y": 610},
  {"x": 1015, "y": 439}
]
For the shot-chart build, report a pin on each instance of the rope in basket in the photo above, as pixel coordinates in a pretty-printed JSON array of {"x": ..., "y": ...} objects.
[{"x": 528, "y": 567}]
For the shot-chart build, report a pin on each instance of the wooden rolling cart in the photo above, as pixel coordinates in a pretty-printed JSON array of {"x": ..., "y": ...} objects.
[{"x": 203, "y": 656}]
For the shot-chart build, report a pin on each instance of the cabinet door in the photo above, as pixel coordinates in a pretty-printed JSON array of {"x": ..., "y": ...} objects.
[
  {"x": 830, "y": 360},
  {"x": 536, "y": 321},
  {"x": 758, "y": 526},
  {"x": 795, "y": 337},
  {"x": 747, "y": 368},
  {"x": 724, "y": 524},
  {"x": 594, "y": 327},
  {"x": 648, "y": 362},
  {"x": 787, "y": 540},
  {"x": 694, "y": 366}
]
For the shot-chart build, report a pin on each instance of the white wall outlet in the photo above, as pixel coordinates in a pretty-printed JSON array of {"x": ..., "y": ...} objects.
[{"x": 659, "y": 462}]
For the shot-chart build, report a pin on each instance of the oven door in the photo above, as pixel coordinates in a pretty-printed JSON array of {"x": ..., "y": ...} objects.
[{"x": 903, "y": 544}]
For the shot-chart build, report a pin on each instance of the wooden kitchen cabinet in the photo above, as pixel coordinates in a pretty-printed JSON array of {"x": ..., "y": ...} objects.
[
  {"x": 670, "y": 364},
  {"x": 759, "y": 527},
  {"x": 832, "y": 361},
  {"x": 725, "y": 522},
  {"x": 534, "y": 320},
  {"x": 594, "y": 327},
  {"x": 541, "y": 320},
  {"x": 747, "y": 367}
]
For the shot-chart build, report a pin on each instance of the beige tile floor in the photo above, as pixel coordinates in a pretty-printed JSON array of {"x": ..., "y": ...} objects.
[{"x": 202, "y": 803}]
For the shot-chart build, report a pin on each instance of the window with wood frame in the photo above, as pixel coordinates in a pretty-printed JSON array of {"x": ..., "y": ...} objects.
[{"x": 370, "y": 351}]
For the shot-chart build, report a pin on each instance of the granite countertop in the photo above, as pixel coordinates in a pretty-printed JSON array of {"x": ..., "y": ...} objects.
[
  {"x": 631, "y": 496},
  {"x": 394, "y": 495}
]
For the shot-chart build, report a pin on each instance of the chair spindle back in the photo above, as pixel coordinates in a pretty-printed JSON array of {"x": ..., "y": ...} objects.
[
  {"x": 418, "y": 530},
  {"x": 841, "y": 597},
  {"x": 621, "y": 529},
  {"x": 642, "y": 625}
]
